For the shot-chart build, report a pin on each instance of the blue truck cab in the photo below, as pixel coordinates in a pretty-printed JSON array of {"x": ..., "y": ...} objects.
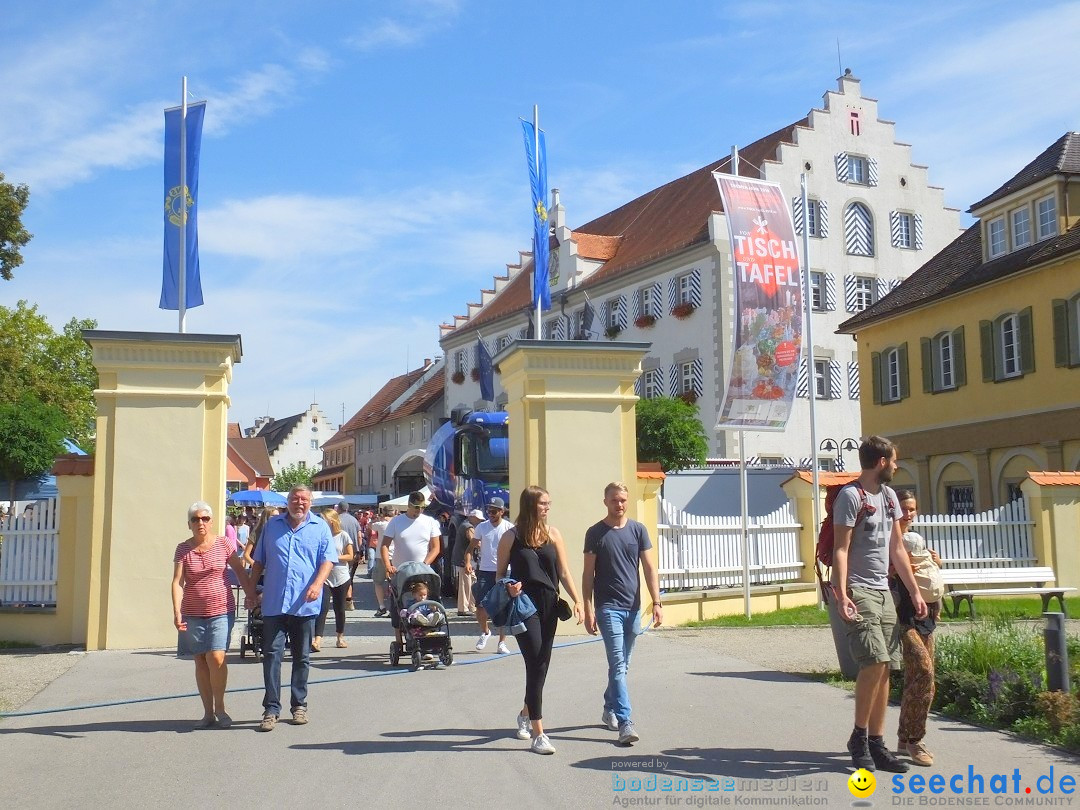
[{"x": 467, "y": 460}]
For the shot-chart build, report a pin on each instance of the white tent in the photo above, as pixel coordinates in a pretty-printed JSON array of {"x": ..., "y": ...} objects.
[{"x": 403, "y": 501}]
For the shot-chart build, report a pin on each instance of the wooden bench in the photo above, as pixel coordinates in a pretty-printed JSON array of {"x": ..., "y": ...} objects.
[{"x": 1039, "y": 576}]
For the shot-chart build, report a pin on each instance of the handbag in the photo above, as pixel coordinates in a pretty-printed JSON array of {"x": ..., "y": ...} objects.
[{"x": 563, "y": 610}]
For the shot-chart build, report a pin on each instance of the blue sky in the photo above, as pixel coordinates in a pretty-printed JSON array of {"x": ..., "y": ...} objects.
[{"x": 363, "y": 174}]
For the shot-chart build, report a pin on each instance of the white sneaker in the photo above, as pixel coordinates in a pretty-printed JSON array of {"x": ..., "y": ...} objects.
[
  {"x": 524, "y": 729},
  {"x": 542, "y": 745},
  {"x": 503, "y": 649},
  {"x": 481, "y": 642},
  {"x": 628, "y": 734},
  {"x": 609, "y": 720}
]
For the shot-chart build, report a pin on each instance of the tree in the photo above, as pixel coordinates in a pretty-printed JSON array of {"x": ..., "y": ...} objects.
[
  {"x": 13, "y": 235},
  {"x": 31, "y": 437},
  {"x": 669, "y": 431},
  {"x": 290, "y": 476},
  {"x": 54, "y": 368}
]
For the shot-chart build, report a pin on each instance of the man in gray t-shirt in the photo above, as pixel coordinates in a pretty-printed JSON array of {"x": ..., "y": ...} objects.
[
  {"x": 614, "y": 549},
  {"x": 866, "y": 538}
]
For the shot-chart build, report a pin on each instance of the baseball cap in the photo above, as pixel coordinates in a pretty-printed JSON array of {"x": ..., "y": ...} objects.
[
  {"x": 497, "y": 503},
  {"x": 417, "y": 499},
  {"x": 476, "y": 513}
]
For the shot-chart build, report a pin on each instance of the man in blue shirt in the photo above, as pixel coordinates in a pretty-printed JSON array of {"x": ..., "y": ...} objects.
[
  {"x": 615, "y": 551},
  {"x": 296, "y": 552}
]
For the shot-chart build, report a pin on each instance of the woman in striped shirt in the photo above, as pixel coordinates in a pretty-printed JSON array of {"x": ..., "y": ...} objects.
[{"x": 203, "y": 606}]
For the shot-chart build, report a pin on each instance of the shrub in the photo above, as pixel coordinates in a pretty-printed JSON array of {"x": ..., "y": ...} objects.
[{"x": 1058, "y": 708}]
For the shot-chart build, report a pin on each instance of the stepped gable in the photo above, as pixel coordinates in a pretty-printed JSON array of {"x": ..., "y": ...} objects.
[
  {"x": 1061, "y": 157},
  {"x": 277, "y": 431}
]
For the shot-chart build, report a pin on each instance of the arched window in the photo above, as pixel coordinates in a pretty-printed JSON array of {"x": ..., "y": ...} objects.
[{"x": 858, "y": 230}]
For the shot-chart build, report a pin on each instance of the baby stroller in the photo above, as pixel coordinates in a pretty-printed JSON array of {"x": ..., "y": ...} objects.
[
  {"x": 252, "y": 638},
  {"x": 424, "y": 627}
]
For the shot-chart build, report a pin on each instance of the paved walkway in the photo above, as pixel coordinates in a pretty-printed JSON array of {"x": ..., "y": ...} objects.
[{"x": 383, "y": 737}]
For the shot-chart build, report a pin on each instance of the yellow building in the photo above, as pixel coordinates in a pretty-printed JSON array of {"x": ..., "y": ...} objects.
[{"x": 972, "y": 364}]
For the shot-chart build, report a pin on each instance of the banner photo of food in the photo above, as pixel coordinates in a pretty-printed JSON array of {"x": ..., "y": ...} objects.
[{"x": 767, "y": 344}]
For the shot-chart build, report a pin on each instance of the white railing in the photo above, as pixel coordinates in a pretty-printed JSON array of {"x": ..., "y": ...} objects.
[
  {"x": 998, "y": 538},
  {"x": 705, "y": 551},
  {"x": 28, "y": 557}
]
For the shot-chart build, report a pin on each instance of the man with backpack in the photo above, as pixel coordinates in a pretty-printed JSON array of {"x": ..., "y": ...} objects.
[{"x": 866, "y": 538}]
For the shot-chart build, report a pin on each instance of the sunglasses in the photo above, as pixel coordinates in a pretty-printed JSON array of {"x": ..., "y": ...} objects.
[{"x": 202, "y": 518}]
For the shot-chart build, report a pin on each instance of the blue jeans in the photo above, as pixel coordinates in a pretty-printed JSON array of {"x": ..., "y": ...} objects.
[
  {"x": 299, "y": 630},
  {"x": 620, "y": 630}
]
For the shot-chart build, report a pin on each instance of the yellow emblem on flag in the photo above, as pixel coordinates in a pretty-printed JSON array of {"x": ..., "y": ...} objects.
[
  {"x": 541, "y": 211},
  {"x": 178, "y": 211}
]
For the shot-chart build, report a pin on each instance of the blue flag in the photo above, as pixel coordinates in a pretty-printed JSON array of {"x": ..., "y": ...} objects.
[
  {"x": 181, "y": 209},
  {"x": 483, "y": 365},
  {"x": 538, "y": 182}
]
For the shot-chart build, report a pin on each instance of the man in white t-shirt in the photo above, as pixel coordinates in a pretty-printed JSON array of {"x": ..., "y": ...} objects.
[
  {"x": 485, "y": 550},
  {"x": 416, "y": 538}
]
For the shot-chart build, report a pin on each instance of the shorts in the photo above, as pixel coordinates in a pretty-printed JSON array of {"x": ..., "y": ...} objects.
[
  {"x": 873, "y": 637},
  {"x": 485, "y": 581},
  {"x": 378, "y": 573},
  {"x": 206, "y": 633}
]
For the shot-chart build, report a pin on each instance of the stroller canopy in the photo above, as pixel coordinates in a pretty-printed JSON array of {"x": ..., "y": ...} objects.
[{"x": 408, "y": 574}]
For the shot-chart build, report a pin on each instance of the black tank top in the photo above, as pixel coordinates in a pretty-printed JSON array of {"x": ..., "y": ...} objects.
[{"x": 535, "y": 566}]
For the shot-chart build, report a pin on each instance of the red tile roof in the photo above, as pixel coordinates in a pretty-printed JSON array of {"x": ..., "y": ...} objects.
[
  {"x": 73, "y": 464},
  {"x": 254, "y": 452},
  {"x": 377, "y": 408},
  {"x": 667, "y": 219},
  {"x": 1055, "y": 479}
]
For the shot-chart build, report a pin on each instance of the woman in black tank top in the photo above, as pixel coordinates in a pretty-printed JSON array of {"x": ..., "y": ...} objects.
[{"x": 537, "y": 556}]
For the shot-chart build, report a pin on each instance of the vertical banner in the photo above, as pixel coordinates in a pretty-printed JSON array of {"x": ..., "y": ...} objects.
[
  {"x": 538, "y": 182},
  {"x": 181, "y": 209},
  {"x": 483, "y": 365},
  {"x": 767, "y": 343}
]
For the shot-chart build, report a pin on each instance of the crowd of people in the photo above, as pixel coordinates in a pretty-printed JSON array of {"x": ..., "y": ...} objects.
[{"x": 295, "y": 565}]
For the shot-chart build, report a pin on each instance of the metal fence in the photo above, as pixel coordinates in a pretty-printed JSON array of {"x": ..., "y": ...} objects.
[
  {"x": 29, "y": 548},
  {"x": 705, "y": 551},
  {"x": 997, "y": 538}
]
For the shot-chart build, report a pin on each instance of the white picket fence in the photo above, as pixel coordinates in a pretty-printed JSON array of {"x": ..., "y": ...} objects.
[
  {"x": 998, "y": 538},
  {"x": 28, "y": 557},
  {"x": 705, "y": 551}
]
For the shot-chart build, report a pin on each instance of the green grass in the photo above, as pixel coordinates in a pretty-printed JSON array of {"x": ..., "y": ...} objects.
[
  {"x": 17, "y": 645},
  {"x": 805, "y": 616},
  {"x": 987, "y": 607}
]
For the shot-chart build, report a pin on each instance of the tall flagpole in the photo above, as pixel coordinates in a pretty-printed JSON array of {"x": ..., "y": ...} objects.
[
  {"x": 536, "y": 248},
  {"x": 808, "y": 334},
  {"x": 744, "y": 484},
  {"x": 183, "y": 205}
]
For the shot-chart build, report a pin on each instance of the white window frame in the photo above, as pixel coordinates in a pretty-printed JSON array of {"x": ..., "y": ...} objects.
[
  {"x": 997, "y": 243},
  {"x": 892, "y": 376},
  {"x": 821, "y": 379},
  {"x": 946, "y": 370},
  {"x": 865, "y": 292},
  {"x": 813, "y": 216},
  {"x": 686, "y": 378},
  {"x": 397, "y": 435},
  {"x": 649, "y": 304},
  {"x": 370, "y": 440},
  {"x": 314, "y": 444},
  {"x": 412, "y": 432},
  {"x": 653, "y": 385},
  {"x": 685, "y": 288},
  {"x": 906, "y": 230},
  {"x": 858, "y": 170},
  {"x": 462, "y": 364},
  {"x": 425, "y": 429},
  {"x": 382, "y": 436},
  {"x": 1011, "y": 365},
  {"x": 1015, "y": 216},
  {"x": 1046, "y": 216},
  {"x": 612, "y": 321},
  {"x": 817, "y": 291}
]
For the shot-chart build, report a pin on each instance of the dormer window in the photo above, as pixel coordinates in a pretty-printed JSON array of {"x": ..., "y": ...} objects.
[
  {"x": 1046, "y": 209},
  {"x": 995, "y": 237}
]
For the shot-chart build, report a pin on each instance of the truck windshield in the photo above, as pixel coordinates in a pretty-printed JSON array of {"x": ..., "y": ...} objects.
[{"x": 487, "y": 454}]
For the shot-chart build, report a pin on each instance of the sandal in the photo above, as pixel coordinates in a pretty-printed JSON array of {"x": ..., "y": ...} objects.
[
  {"x": 341, "y": 643},
  {"x": 315, "y": 646}
]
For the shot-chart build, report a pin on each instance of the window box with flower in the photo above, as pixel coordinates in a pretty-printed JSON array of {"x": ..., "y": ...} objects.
[
  {"x": 689, "y": 397},
  {"x": 458, "y": 377},
  {"x": 644, "y": 321},
  {"x": 683, "y": 310},
  {"x": 613, "y": 332},
  {"x": 475, "y": 374}
]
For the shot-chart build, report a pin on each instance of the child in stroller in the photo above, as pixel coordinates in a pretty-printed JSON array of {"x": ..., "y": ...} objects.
[{"x": 424, "y": 625}]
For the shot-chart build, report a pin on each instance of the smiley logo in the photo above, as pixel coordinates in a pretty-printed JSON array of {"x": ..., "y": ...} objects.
[{"x": 861, "y": 783}]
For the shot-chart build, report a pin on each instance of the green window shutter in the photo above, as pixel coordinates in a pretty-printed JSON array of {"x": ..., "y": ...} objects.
[
  {"x": 986, "y": 348},
  {"x": 927, "y": 347},
  {"x": 901, "y": 358},
  {"x": 1027, "y": 341},
  {"x": 875, "y": 376},
  {"x": 1061, "y": 332},
  {"x": 959, "y": 362}
]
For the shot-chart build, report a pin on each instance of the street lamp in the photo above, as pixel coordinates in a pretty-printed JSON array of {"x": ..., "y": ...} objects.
[{"x": 838, "y": 447}]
